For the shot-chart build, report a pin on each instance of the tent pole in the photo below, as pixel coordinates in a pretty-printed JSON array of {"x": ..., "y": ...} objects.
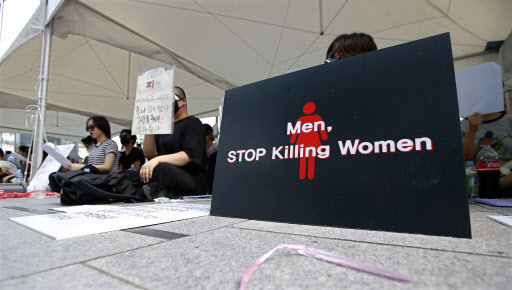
[{"x": 41, "y": 100}]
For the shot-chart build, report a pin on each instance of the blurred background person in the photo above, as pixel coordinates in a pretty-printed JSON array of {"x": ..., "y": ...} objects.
[
  {"x": 88, "y": 142},
  {"x": 211, "y": 151},
  {"x": 132, "y": 155},
  {"x": 347, "y": 45},
  {"x": 7, "y": 171},
  {"x": 7, "y": 154}
]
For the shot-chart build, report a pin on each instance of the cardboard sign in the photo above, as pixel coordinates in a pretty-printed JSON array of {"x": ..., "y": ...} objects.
[
  {"x": 480, "y": 89},
  {"x": 154, "y": 102},
  {"x": 369, "y": 142},
  {"x": 89, "y": 221}
]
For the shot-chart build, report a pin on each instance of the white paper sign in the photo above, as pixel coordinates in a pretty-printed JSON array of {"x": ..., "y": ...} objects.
[
  {"x": 76, "y": 224},
  {"x": 40, "y": 179},
  {"x": 154, "y": 102},
  {"x": 79, "y": 208},
  {"x": 54, "y": 151},
  {"x": 480, "y": 89},
  {"x": 506, "y": 220}
]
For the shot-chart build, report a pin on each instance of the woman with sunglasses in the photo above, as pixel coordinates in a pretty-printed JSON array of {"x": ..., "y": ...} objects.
[{"x": 104, "y": 155}]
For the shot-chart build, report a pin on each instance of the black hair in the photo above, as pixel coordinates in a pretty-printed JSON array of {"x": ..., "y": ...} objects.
[
  {"x": 89, "y": 140},
  {"x": 24, "y": 148},
  {"x": 182, "y": 91},
  {"x": 102, "y": 124},
  {"x": 207, "y": 129},
  {"x": 346, "y": 45},
  {"x": 1, "y": 153},
  {"x": 129, "y": 132},
  {"x": 8, "y": 152}
]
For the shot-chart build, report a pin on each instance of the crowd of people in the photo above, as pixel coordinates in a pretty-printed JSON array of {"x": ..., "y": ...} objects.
[
  {"x": 183, "y": 163},
  {"x": 12, "y": 162}
]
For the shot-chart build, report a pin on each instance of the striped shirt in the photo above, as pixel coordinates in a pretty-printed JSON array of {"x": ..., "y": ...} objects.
[{"x": 98, "y": 152}]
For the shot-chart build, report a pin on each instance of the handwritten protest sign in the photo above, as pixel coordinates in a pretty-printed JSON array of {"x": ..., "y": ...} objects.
[
  {"x": 90, "y": 221},
  {"x": 154, "y": 103}
]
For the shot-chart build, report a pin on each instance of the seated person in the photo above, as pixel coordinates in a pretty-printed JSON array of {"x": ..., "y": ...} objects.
[
  {"x": 347, "y": 45},
  {"x": 104, "y": 155},
  {"x": 23, "y": 151},
  {"x": 177, "y": 162},
  {"x": 15, "y": 159},
  {"x": 211, "y": 151},
  {"x": 7, "y": 171},
  {"x": 210, "y": 138},
  {"x": 132, "y": 154},
  {"x": 88, "y": 142},
  {"x": 7, "y": 155},
  {"x": 494, "y": 127},
  {"x": 139, "y": 146}
]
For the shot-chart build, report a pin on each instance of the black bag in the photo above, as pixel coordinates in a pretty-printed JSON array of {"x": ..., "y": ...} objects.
[{"x": 79, "y": 187}]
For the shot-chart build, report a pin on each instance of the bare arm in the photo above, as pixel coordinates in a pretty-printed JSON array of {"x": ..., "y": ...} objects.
[
  {"x": 469, "y": 145},
  {"x": 76, "y": 166},
  {"x": 107, "y": 165},
  {"x": 150, "y": 147},
  {"x": 469, "y": 140}
]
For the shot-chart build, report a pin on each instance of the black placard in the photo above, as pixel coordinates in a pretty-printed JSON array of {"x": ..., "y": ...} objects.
[{"x": 402, "y": 97}]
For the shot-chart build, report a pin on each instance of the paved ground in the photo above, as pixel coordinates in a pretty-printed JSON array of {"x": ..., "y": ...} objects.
[{"x": 213, "y": 252}]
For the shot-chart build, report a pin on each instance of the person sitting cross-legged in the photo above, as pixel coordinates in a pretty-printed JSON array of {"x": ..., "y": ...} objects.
[{"x": 177, "y": 162}]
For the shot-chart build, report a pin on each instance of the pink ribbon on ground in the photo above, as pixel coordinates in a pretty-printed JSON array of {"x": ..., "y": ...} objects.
[{"x": 328, "y": 257}]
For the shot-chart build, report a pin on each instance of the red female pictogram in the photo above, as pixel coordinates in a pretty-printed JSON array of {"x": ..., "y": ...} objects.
[{"x": 309, "y": 138}]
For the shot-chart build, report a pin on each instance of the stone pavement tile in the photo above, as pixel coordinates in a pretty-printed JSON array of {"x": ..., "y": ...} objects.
[
  {"x": 70, "y": 277},
  {"x": 483, "y": 228},
  {"x": 197, "y": 225},
  {"x": 217, "y": 260},
  {"x": 504, "y": 211},
  {"x": 30, "y": 210},
  {"x": 24, "y": 251},
  {"x": 30, "y": 202},
  {"x": 499, "y": 209},
  {"x": 489, "y": 237},
  {"x": 6, "y": 213},
  {"x": 474, "y": 207}
]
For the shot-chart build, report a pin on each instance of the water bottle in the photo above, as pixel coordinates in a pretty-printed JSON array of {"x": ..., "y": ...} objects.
[
  {"x": 488, "y": 168},
  {"x": 18, "y": 177},
  {"x": 132, "y": 168}
]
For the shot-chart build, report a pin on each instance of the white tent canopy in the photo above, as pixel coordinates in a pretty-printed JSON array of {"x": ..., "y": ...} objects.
[
  {"x": 216, "y": 45},
  {"x": 58, "y": 124}
]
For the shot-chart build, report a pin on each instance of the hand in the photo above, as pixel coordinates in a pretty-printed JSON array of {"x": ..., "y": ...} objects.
[
  {"x": 146, "y": 171},
  {"x": 475, "y": 120}
]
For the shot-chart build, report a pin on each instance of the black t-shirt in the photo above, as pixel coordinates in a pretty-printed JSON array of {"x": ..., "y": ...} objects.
[
  {"x": 134, "y": 155},
  {"x": 189, "y": 137}
]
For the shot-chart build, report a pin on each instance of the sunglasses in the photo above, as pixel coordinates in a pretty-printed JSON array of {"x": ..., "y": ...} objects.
[{"x": 89, "y": 128}]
